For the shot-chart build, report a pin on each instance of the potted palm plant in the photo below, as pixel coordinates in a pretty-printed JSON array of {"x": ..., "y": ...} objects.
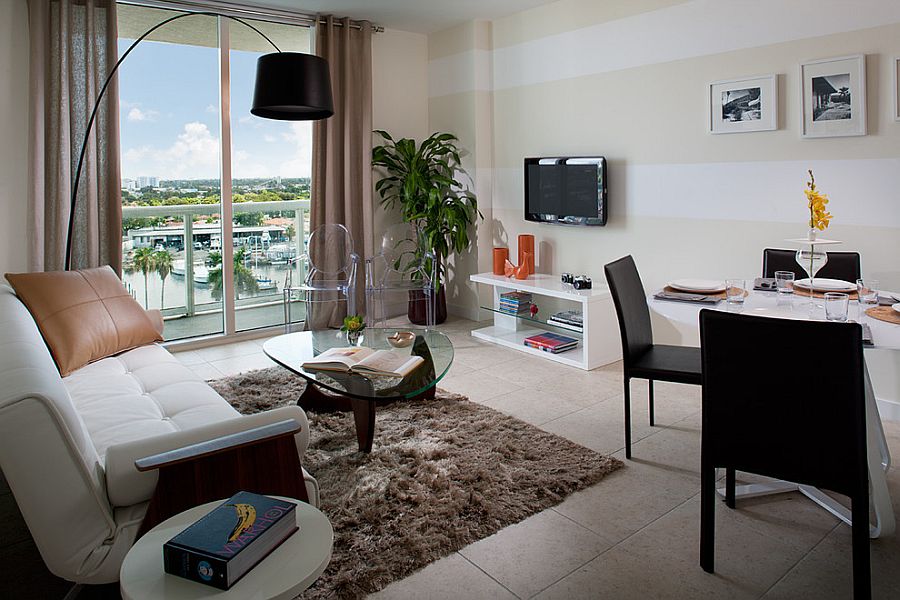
[{"x": 422, "y": 181}]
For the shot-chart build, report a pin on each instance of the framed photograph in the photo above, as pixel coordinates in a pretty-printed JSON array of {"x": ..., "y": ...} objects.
[
  {"x": 834, "y": 96},
  {"x": 742, "y": 105},
  {"x": 896, "y": 71}
]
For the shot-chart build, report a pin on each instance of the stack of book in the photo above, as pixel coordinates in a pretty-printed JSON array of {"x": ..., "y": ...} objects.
[
  {"x": 551, "y": 342},
  {"x": 568, "y": 319},
  {"x": 225, "y": 544},
  {"x": 515, "y": 303}
]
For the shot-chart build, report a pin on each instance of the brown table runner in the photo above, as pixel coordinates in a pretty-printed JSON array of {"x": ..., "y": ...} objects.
[
  {"x": 802, "y": 292},
  {"x": 719, "y": 295},
  {"x": 884, "y": 313}
]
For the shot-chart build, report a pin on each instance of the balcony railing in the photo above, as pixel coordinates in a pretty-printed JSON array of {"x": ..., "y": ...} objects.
[{"x": 193, "y": 315}]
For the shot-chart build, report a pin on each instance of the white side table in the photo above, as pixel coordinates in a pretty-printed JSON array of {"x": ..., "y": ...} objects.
[{"x": 288, "y": 570}]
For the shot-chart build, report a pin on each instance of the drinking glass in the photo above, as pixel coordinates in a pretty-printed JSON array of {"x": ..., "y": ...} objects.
[
  {"x": 836, "y": 305},
  {"x": 734, "y": 291},
  {"x": 784, "y": 282},
  {"x": 867, "y": 290}
]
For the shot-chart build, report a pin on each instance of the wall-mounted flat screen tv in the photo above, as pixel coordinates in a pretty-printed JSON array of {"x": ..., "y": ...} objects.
[{"x": 568, "y": 190}]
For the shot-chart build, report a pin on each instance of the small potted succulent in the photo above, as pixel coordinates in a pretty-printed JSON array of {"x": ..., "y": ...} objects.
[{"x": 353, "y": 326}]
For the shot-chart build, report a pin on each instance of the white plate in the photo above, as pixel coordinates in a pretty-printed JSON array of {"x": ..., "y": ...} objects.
[
  {"x": 896, "y": 307},
  {"x": 821, "y": 284},
  {"x": 701, "y": 286}
]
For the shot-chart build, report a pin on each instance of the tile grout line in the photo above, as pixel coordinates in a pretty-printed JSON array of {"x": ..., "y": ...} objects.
[
  {"x": 801, "y": 559},
  {"x": 491, "y": 577},
  {"x": 617, "y": 544}
]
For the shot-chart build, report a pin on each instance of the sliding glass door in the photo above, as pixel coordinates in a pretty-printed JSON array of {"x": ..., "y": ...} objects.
[{"x": 204, "y": 182}]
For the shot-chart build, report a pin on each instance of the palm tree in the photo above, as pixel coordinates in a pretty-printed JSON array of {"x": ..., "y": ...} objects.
[
  {"x": 145, "y": 261},
  {"x": 163, "y": 262},
  {"x": 244, "y": 279}
]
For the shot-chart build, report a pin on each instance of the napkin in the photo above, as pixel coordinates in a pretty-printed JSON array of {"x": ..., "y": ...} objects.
[
  {"x": 686, "y": 297},
  {"x": 766, "y": 284}
]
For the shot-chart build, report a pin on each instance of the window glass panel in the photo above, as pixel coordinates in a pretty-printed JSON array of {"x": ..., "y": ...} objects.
[
  {"x": 169, "y": 99},
  {"x": 271, "y": 162}
]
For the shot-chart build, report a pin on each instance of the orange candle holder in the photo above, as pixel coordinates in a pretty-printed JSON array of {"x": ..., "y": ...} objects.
[
  {"x": 501, "y": 255},
  {"x": 526, "y": 244}
]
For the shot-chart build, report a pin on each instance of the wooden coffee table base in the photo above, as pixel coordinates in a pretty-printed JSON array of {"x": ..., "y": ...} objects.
[{"x": 314, "y": 400}]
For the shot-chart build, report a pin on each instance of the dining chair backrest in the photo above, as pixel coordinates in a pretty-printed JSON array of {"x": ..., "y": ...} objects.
[
  {"x": 402, "y": 257},
  {"x": 330, "y": 249},
  {"x": 840, "y": 265},
  {"x": 632, "y": 311},
  {"x": 760, "y": 417}
]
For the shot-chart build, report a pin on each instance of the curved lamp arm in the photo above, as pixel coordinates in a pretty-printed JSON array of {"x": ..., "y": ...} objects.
[{"x": 112, "y": 73}]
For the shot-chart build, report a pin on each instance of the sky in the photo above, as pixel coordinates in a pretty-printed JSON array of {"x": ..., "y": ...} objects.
[{"x": 169, "y": 117}]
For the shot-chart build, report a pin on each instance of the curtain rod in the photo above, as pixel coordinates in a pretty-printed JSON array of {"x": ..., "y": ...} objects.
[{"x": 243, "y": 10}]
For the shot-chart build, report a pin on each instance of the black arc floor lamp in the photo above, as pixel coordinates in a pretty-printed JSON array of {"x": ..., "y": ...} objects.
[{"x": 290, "y": 86}]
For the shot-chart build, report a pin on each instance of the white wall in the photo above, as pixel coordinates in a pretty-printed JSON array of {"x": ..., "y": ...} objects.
[
  {"x": 399, "y": 97},
  {"x": 628, "y": 79},
  {"x": 13, "y": 135}
]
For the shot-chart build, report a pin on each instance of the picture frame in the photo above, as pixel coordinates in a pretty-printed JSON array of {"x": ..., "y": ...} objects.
[
  {"x": 743, "y": 105},
  {"x": 833, "y": 97},
  {"x": 895, "y": 70}
]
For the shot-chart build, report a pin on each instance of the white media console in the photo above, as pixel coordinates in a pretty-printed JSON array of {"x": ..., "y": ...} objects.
[{"x": 600, "y": 342}]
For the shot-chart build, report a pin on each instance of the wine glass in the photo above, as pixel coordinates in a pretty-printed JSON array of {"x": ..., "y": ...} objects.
[{"x": 811, "y": 260}]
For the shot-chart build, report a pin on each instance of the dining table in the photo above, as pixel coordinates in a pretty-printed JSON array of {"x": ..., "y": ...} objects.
[{"x": 882, "y": 380}]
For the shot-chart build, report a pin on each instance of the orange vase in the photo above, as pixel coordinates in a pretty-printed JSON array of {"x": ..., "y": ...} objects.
[
  {"x": 500, "y": 257},
  {"x": 526, "y": 244}
]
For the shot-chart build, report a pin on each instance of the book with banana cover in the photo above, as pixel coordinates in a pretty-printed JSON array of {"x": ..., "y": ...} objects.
[
  {"x": 224, "y": 545},
  {"x": 365, "y": 361}
]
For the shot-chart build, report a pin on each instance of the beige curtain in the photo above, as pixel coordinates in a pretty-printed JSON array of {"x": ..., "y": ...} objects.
[
  {"x": 342, "y": 149},
  {"x": 73, "y": 48}
]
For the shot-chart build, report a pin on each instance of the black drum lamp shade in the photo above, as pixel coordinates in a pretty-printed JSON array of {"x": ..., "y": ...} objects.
[{"x": 291, "y": 86}]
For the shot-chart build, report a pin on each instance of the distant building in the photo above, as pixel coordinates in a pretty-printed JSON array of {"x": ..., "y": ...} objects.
[
  {"x": 145, "y": 181},
  {"x": 129, "y": 185}
]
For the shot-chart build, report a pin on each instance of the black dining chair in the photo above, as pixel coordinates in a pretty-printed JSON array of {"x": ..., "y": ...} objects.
[
  {"x": 642, "y": 359},
  {"x": 811, "y": 431},
  {"x": 840, "y": 265}
]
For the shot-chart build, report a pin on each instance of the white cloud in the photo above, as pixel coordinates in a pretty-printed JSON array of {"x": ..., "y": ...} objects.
[
  {"x": 269, "y": 138},
  {"x": 193, "y": 155},
  {"x": 212, "y": 109},
  {"x": 136, "y": 114},
  {"x": 300, "y": 163}
]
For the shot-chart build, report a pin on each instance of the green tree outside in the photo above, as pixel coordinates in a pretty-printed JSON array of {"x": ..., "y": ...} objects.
[
  {"x": 145, "y": 261},
  {"x": 163, "y": 263},
  {"x": 244, "y": 279}
]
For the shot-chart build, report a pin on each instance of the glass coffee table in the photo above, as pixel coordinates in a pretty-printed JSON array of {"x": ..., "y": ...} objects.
[{"x": 330, "y": 391}]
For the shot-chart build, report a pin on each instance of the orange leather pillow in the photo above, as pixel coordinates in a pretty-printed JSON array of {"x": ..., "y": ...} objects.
[{"x": 83, "y": 315}]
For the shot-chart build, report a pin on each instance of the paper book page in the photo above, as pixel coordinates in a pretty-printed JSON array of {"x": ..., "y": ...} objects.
[
  {"x": 389, "y": 363},
  {"x": 340, "y": 356}
]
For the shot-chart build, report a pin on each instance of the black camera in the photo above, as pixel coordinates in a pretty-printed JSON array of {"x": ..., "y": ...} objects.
[
  {"x": 567, "y": 278},
  {"x": 582, "y": 282}
]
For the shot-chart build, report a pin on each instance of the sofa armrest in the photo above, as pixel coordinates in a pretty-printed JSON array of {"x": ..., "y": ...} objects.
[
  {"x": 218, "y": 445},
  {"x": 125, "y": 485}
]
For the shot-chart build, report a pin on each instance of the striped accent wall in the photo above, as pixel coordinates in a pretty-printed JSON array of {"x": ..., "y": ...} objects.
[{"x": 628, "y": 79}]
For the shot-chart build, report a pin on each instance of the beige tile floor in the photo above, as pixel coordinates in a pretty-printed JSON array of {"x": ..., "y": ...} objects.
[{"x": 635, "y": 534}]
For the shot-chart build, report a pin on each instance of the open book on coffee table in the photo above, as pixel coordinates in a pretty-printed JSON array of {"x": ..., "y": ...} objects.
[{"x": 365, "y": 361}]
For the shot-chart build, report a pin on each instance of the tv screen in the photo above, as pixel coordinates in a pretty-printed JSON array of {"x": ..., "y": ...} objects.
[{"x": 568, "y": 190}]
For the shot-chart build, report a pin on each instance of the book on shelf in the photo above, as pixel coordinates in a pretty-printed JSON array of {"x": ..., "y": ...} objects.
[
  {"x": 572, "y": 317},
  {"x": 516, "y": 296},
  {"x": 552, "y": 350},
  {"x": 365, "y": 361},
  {"x": 551, "y": 342},
  {"x": 224, "y": 545},
  {"x": 565, "y": 325}
]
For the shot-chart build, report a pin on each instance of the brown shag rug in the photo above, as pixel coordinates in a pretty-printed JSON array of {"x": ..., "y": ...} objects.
[{"x": 443, "y": 473}]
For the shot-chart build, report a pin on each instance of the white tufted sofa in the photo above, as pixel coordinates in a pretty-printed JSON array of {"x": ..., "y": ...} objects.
[{"x": 68, "y": 445}]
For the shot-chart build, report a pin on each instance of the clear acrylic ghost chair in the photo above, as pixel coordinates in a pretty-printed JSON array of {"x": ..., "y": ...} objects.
[
  {"x": 330, "y": 266},
  {"x": 404, "y": 263}
]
